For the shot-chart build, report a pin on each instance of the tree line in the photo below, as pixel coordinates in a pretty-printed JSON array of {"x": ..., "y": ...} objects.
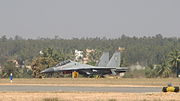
[{"x": 148, "y": 51}]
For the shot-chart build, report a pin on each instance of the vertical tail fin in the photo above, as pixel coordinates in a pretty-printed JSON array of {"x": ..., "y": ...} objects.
[
  {"x": 115, "y": 60},
  {"x": 104, "y": 59}
]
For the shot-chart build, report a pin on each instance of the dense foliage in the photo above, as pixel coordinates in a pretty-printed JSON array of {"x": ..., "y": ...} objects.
[{"x": 145, "y": 50}]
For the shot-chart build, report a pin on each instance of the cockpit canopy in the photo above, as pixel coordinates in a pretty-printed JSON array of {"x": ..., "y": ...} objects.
[{"x": 63, "y": 63}]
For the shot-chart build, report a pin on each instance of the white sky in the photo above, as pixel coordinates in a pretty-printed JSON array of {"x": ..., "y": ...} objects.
[{"x": 89, "y": 18}]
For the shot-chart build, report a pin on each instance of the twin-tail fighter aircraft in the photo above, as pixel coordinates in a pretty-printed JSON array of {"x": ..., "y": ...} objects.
[{"x": 104, "y": 67}]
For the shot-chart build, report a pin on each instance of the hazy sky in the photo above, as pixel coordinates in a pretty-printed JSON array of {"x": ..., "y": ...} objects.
[{"x": 89, "y": 18}]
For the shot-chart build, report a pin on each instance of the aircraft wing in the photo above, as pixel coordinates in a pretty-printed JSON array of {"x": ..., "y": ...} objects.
[
  {"x": 74, "y": 66},
  {"x": 55, "y": 69},
  {"x": 86, "y": 68}
]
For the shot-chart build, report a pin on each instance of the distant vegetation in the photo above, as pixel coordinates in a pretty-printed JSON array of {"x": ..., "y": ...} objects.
[{"x": 159, "y": 55}]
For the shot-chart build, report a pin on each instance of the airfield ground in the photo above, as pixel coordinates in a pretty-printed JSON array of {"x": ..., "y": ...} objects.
[
  {"x": 91, "y": 96},
  {"x": 81, "y": 96},
  {"x": 95, "y": 82}
]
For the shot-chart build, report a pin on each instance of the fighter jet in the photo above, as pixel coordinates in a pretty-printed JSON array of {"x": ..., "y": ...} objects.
[{"x": 104, "y": 67}]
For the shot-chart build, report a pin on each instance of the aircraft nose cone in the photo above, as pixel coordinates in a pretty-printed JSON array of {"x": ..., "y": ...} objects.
[{"x": 48, "y": 70}]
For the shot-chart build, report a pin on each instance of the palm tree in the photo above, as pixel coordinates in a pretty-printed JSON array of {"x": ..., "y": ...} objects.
[
  {"x": 163, "y": 70},
  {"x": 174, "y": 60}
]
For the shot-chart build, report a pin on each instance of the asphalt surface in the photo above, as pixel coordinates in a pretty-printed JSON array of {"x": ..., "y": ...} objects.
[{"x": 33, "y": 88}]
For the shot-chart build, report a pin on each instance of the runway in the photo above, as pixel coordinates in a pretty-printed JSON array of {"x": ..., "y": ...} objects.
[{"x": 37, "y": 88}]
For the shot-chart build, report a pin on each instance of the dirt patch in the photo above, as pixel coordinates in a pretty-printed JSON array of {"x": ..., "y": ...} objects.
[{"x": 82, "y": 96}]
